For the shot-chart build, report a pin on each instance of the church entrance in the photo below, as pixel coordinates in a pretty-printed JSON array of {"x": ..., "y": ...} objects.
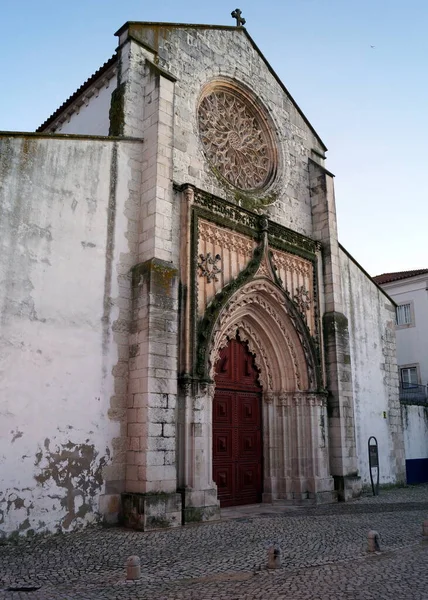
[{"x": 237, "y": 427}]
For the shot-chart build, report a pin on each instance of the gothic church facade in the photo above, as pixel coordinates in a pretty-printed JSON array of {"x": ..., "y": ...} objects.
[{"x": 181, "y": 329}]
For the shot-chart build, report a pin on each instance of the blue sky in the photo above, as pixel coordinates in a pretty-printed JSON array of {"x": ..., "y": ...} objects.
[{"x": 369, "y": 105}]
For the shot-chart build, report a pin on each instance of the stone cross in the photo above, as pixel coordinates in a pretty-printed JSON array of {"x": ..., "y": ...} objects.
[{"x": 236, "y": 14}]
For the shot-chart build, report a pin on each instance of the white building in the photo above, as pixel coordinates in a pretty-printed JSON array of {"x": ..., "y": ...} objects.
[{"x": 409, "y": 289}]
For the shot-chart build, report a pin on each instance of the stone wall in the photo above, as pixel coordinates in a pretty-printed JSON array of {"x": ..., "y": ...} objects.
[
  {"x": 374, "y": 371},
  {"x": 66, "y": 252}
]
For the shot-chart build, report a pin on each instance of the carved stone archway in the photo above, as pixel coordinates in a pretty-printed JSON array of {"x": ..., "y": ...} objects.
[
  {"x": 294, "y": 412},
  {"x": 253, "y": 293},
  {"x": 258, "y": 312}
]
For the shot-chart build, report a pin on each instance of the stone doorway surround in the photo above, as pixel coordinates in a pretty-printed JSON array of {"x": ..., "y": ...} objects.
[{"x": 238, "y": 285}]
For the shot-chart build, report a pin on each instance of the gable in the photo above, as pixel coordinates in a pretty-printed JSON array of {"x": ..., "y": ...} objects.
[{"x": 156, "y": 37}]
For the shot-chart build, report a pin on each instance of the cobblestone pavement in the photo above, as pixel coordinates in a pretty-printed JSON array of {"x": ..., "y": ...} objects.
[{"x": 323, "y": 556}]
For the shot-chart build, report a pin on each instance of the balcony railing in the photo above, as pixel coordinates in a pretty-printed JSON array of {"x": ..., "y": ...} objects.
[{"x": 410, "y": 392}]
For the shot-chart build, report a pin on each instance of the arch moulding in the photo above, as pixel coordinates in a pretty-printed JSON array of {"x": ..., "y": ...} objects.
[{"x": 259, "y": 314}]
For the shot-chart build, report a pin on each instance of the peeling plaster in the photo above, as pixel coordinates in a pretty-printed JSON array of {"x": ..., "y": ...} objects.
[
  {"x": 69, "y": 478},
  {"x": 74, "y": 468},
  {"x": 58, "y": 447}
]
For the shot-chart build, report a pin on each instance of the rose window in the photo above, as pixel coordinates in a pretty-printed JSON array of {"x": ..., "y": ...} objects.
[{"x": 236, "y": 139}]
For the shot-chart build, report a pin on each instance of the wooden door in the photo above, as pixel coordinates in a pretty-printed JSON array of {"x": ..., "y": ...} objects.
[{"x": 237, "y": 427}]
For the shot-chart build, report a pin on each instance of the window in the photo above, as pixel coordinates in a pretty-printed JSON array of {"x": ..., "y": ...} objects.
[
  {"x": 409, "y": 377},
  {"x": 404, "y": 314}
]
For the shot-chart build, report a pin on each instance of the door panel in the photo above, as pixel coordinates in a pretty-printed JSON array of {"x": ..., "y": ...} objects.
[
  {"x": 222, "y": 408},
  {"x": 224, "y": 476},
  {"x": 237, "y": 427}
]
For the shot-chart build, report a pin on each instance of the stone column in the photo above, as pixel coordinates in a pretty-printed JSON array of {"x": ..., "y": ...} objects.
[
  {"x": 200, "y": 502},
  {"x": 270, "y": 447},
  {"x": 303, "y": 470},
  {"x": 144, "y": 103},
  {"x": 341, "y": 427},
  {"x": 199, "y": 492}
]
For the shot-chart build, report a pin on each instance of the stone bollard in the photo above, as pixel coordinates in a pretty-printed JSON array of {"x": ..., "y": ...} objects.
[
  {"x": 425, "y": 528},
  {"x": 133, "y": 568},
  {"x": 274, "y": 557},
  {"x": 373, "y": 541}
]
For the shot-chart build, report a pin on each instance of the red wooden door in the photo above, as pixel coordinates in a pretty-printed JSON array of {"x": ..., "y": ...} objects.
[{"x": 237, "y": 427}]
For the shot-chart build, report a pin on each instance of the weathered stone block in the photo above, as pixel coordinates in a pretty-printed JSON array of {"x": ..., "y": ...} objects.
[{"x": 151, "y": 511}]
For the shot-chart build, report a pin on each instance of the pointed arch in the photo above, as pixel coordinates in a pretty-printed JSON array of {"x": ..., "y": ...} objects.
[{"x": 262, "y": 314}]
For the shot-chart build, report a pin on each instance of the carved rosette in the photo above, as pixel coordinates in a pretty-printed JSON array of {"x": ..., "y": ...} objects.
[
  {"x": 208, "y": 266},
  {"x": 236, "y": 138},
  {"x": 234, "y": 252}
]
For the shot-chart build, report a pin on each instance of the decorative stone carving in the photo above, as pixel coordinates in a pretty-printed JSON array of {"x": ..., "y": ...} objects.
[
  {"x": 264, "y": 270},
  {"x": 236, "y": 138},
  {"x": 235, "y": 214},
  {"x": 189, "y": 194},
  {"x": 285, "y": 398},
  {"x": 236, "y": 14},
  {"x": 208, "y": 390},
  {"x": 302, "y": 300},
  {"x": 234, "y": 242},
  {"x": 291, "y": 263},
  {"x": 255, "y": 346},
  {"x": 208, "y": 266},
  {"x": 247, "y": 312},
  {"x": 269, "y": 397},
  {"x": 296, "y": 273}
]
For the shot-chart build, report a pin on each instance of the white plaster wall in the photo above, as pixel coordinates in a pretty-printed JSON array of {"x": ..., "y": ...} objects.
[
  {"x": 415, "y": 422},
  {"x": 197, "y": 56},
  {"x": 90, "y": 119},
  {"x": 374, "y": 373},
  {"x": 59, "y": 264},
  {"x": 412, "y": 342}
]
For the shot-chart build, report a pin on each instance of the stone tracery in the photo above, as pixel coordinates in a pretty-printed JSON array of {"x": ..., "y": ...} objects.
[
  {"x": 248, "y": 334},
  {"x": 225, "y": 238},
  {"x": 236, "y": 139},
  {"x": 246, "y": 313},
  {"x": 291, "y": 263}
]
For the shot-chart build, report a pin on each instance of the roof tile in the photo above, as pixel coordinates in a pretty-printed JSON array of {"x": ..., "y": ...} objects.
[{"x": 389, "y": 277}]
